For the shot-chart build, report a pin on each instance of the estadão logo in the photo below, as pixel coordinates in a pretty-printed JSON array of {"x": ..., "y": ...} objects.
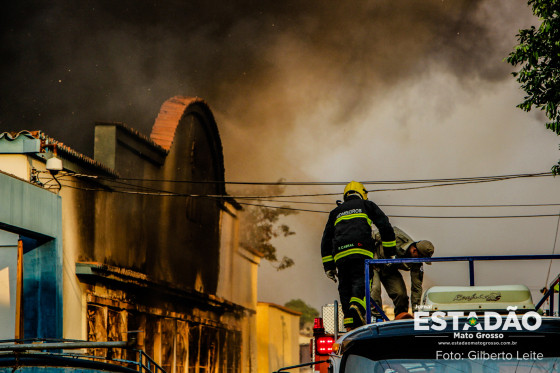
[{"x": 492, "y": 320}]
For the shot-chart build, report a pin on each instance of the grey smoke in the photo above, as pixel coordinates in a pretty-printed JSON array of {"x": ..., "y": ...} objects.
[
  {"x": 317, "y": 90},
  {"x": 66, "y": 65}
]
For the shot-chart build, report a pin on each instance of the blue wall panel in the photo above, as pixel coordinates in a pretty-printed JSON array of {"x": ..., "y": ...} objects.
[{"x": 36, "y": 213}]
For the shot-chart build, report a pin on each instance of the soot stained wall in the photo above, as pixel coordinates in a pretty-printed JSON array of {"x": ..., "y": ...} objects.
[{"x": 173, "y": 239}]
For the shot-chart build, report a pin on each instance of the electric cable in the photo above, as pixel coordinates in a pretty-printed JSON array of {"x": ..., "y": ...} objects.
[
  {"x": 124, "y": 191},
  {"x": 553, "y": 250},
  {"x": 416, "y": 205},
  {"x": 435, "y": 185},
  {"x": 134, "y": 187},
  {"x": 474, "y": 217},
  {"x": 331, "y": 183},
  {"x": 412, "y": 216},
  {"x": 58, "y": 182},
  {"x": 320, "y": 211},
  {"x": 282, "y": 208},
  {"x": 142, "y": 190},
  {"x": 471, "y": 181}
]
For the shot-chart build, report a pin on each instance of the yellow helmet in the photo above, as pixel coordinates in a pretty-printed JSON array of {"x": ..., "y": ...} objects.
[{"x": 355, "y": 187}]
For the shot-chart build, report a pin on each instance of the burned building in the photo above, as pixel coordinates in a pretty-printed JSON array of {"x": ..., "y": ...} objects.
[{"x": 146, "y": 241}]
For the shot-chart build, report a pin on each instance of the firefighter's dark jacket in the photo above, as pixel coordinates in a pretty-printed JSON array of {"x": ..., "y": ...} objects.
[{"x": 348, "y": 233}]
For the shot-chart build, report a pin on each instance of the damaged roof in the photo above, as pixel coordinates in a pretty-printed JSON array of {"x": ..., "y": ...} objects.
[
  {"x": 170, "y": 115},
  {"x": 61, "y": 149},
  {"x": 140, "y": 136}
]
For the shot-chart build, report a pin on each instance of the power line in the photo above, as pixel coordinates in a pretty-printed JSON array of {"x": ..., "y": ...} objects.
[
  {"x": 419, "y": 205},
  {"x": 142, "y": 190},
  {"x": 152, "y": 191},
  {"x": 553, "y": 249},
  {"x": 439, "y": 185},
  {"x": 490, "y": 205},
  {"x": 137, "y": 189},
  {"x": 470, "y": 181},
  {"x": 305, "y": 210},
  {"x": 282, "y": 208},
  {"x": 474, "y": 217},
  {"x": 332, "y": 183},
  {"x": 413, "y": 216}
]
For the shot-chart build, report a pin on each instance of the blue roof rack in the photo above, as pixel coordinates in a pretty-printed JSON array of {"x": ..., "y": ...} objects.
[{"x": 470, "y": 260}]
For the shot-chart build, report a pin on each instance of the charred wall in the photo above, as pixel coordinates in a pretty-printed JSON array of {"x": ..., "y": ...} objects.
[
  {"x": 161, "y": 231},
  {"x": 83, "y": 224},
  {"x": 178, "y": 329},
  {"x": 154, "y": 264},
  {"x": 174, "y": 342}
]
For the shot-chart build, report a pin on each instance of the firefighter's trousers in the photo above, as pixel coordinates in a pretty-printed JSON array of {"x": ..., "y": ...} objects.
[
  {"x": 393, "y": 282},
  {"x": 351, "y": 289}
]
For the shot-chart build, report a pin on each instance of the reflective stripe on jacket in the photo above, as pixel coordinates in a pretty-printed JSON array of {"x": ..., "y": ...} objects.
[{"x": 348, "y": 232}]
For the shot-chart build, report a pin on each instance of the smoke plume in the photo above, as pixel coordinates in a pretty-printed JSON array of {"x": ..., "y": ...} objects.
[
  {"x": 319, "y": 90},
  {"x": 259, "y": 66}
]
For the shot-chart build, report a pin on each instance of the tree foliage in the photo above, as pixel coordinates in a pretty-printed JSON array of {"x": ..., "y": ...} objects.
[
  {"x": 260, "y": 225},
  {"x": 538, "y": 54},
  {"x": 308, "y": 313}
]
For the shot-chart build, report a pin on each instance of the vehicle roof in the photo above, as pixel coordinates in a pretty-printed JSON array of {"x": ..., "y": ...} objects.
[
  {"x": 26, "y": 362},
  {"x": 403, "y": 328}
]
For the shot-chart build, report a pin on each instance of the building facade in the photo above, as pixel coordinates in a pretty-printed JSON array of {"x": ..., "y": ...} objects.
[
  {"x": 278, "y": 337},
  {"x": 141, "y": 240}
]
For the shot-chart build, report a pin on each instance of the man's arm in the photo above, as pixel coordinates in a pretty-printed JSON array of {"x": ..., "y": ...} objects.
[
  {"x": 327, "y": 246},
  {"x": 385, "y": 228},
  {"x": 416, "y": 280},
  {"x": 403, "y": 242}
]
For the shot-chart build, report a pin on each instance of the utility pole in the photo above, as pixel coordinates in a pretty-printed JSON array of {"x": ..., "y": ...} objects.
[{"x": 19, "y": 292}]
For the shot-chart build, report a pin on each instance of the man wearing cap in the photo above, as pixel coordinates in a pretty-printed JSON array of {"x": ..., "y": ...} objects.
[{"x": 391, "y": 278}]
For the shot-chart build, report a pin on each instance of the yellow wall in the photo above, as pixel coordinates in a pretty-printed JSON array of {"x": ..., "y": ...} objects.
[
  {"x": 238, "y": 283},
  {"x": 277, "y": 337},
  {"x": 16, "y": 164}
]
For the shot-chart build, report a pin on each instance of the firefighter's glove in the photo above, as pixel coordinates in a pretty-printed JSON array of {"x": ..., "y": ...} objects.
[
  {"x": 389, "y": 252},
  {"x": 331, "y": 273}
]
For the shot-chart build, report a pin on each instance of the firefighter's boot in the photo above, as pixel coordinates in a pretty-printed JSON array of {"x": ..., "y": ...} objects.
[{"x": 357, "y": 315}]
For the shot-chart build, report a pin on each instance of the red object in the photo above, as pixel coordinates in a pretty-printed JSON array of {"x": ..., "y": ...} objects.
[
  {"x": 324, "y": 367},
  {"x": 403, "y": 316},
  {"x": 324, "y": 345},
  {"x": 318, "y": 328},
  {"x": 318, "y": 323}
]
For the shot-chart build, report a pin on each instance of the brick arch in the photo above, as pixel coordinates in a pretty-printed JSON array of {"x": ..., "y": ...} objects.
[{"x": 170, "y": 115}]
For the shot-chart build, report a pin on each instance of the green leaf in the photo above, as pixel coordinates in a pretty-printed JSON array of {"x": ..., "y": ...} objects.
[{"x": 538, "y": 53}]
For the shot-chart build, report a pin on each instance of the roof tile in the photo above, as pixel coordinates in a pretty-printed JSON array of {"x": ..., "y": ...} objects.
[{"x": 168, "y": 119}]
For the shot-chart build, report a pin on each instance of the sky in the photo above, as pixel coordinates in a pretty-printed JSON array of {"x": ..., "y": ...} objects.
[{"x": 319, "y": 91}]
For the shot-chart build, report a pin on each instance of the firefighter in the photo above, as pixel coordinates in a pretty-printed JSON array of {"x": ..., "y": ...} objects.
[
  {"x": 392, "y": 279},
  {"x": 347, "y": 242}
]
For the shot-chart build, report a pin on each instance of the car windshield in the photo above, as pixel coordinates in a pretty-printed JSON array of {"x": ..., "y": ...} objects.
[{"x": 361, "y": 364}]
